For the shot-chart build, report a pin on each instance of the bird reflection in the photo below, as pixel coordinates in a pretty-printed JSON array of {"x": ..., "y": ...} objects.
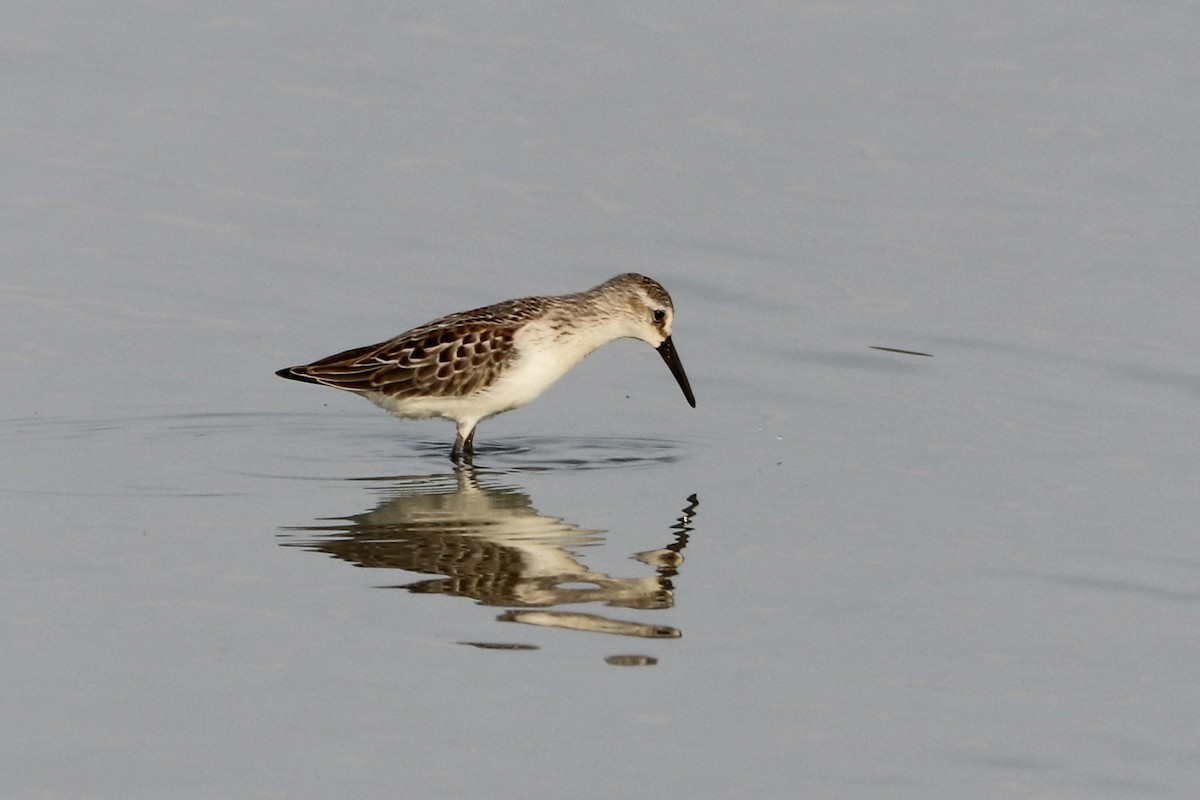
[{"x": 486, "y": 541}]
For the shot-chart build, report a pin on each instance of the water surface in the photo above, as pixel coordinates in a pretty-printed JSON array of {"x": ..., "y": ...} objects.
[{"x": 849, "y": 572}]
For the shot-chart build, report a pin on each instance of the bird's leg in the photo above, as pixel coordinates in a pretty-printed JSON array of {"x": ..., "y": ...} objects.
[{"x": 464, "y": 446}]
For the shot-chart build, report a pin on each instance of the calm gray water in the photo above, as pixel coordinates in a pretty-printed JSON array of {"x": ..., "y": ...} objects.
[{"x": 849, "y": 572}]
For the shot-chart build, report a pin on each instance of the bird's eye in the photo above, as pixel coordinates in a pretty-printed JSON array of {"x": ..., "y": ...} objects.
[{"x": 659, "y": 315}]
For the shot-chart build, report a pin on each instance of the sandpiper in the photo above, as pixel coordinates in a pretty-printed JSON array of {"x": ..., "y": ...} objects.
[{"x": 475, "y": 364}]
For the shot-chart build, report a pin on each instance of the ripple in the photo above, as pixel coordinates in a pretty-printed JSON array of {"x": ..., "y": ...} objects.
[
  {"x": 58, "y": 428},
  {"x": 544, "y": 453},
  {"x": 295, "y": 442}
]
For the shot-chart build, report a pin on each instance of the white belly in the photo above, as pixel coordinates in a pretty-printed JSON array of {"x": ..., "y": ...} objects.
[{"x": 538, "y": 362}]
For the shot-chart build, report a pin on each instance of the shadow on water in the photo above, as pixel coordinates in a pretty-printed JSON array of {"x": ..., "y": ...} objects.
[{"x": 484, "y": 540}]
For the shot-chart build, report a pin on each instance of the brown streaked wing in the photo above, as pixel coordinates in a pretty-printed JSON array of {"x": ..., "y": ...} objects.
[{"x": 457, "y": 354}]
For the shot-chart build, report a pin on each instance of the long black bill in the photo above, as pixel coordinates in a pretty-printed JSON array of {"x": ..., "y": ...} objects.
[{"x": 667, "y": 351}]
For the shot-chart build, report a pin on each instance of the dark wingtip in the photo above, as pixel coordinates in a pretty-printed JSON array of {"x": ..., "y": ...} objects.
[{"x": 292, "y": 375}]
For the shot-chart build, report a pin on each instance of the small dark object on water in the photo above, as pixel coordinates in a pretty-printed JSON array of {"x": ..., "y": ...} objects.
[{"x": 904, "y": 352}]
